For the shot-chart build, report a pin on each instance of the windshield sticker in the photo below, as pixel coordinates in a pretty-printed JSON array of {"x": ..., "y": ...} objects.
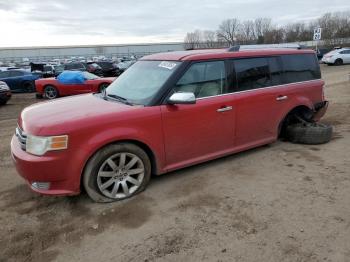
[{"x": 167, "y": 65}]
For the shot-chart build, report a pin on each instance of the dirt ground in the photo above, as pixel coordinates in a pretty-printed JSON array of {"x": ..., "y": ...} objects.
[{"x": 281, "y": 202}]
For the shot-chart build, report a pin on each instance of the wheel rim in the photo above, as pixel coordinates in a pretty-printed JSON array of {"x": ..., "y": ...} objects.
[
  {"x": 120, "y": 175},
  {"x": 50, "y": 92}
]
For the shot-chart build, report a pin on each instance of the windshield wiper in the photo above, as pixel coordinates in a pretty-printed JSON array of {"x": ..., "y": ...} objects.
[{"x": 119, "y": 98}]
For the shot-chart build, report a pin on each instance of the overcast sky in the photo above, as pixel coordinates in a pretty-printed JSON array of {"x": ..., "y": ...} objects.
[{"x": 73, "y": 22}]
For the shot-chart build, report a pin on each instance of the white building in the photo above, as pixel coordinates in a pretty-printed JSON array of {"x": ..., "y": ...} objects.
[{"x": 42, "y": 53}]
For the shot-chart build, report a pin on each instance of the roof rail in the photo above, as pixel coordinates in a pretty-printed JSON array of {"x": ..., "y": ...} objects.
[{"x": 263, "y": 46}]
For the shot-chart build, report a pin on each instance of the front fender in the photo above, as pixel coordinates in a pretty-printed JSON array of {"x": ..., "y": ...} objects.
[{"x": 120, "y": 134}]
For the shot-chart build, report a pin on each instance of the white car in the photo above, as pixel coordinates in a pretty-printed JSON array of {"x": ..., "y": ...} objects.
[{"x": 337, "y": 57}]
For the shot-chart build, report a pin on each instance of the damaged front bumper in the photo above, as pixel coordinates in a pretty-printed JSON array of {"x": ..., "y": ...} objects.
[{"x": 319, "y": 110}]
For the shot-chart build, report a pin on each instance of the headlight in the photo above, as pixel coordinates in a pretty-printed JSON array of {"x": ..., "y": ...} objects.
[
  {"x": 39, "y": 145},
  {"x": 4, "y": 87}
]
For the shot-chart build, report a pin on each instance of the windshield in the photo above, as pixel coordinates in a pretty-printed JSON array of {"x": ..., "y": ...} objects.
[
  {"x": 142, "y": 81},
  {"x": 89, "y": 76}
]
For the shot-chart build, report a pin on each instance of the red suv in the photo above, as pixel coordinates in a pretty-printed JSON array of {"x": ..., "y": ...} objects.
[{"x": 166, "y": 112}]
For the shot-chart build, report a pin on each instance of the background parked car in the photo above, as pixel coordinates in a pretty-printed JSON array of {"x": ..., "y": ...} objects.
[
  {"x": 20, "y": 80},
  {"x": 337, "y": 57},
  {"x": 91, "y": 67},
  {"x": 7, "y": 68},
  {"x": 43, "y": 68},
  {"x": 94, "y": 68},
  {"x": 74, "y": 66},
  {"x": 321, "y": 52},
  {"x": 5, "y": 93},
  {"x": 125, "y": 64},
  {"x": 71, "y": 83},
  {"x": 58, "y": 69},
  {"x": 109, "y": 68}
]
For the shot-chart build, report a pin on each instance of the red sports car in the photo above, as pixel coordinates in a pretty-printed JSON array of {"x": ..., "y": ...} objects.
[{"x": 71, "y": 83}]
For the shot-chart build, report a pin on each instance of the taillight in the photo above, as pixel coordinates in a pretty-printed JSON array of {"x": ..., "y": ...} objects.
[{"x": 323, "y": 96}]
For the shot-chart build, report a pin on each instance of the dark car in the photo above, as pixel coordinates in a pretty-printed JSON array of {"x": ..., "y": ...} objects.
[
  {"x": 43, "y": 68},
  {"x": 94, "y": 68},
  {"x": 58, "y": 69},
  {"x": 5, "y": 93},
  {"x": 321, "y": 52},
  {"x": 91, "y": 67},
  {"x": 20, "y": 80},
  {"x": 75, "y": 66},
  {"x": 109, "y": 68}
]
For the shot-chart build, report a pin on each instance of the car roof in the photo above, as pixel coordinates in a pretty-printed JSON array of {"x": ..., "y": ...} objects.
[
  {"x": 18, "y": 70},
  {"x": 205, "y": 54}
]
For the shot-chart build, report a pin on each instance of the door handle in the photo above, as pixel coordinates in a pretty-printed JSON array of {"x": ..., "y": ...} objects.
[
  {"x": 280, "y": 98},
  {"x": 224, "y": 109}
]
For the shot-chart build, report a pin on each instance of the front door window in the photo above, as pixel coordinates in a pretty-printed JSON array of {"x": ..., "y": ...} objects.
[{"x": 204, "y": 79}]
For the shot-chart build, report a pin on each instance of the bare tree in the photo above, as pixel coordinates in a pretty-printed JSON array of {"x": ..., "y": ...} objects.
[
  {"x": 335, "y": 27},
  {"x": 261, "y": 26},
  {"x": 274, "y": 36},
  {"x": 335, "y": 31},
  {"x": 192, "y": 40},
  {"x": 228, "y": 30},
  {"x": 209, "y": 39},
  {"x": 246, "y": 35},
  {"x": 298, "y": 32}
]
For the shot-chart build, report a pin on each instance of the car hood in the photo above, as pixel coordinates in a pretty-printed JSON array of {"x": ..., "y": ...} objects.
[
  {"x": 111, "y": 79},
  {"x": 65, "y": 114}
]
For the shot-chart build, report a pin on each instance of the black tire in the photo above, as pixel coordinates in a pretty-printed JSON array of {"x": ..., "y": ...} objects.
[
  {"x": 3, "y": 102},
  {"x": 28, "y": 86},
  {"x": 90, "y": 175},
  {"x": 51, "y": 92},
  {"x": 102, "y": 87},
  {"x": 338, "y": 62},
  {"x": 309, "y": 133},
  {"x": 38, "y": 96}
]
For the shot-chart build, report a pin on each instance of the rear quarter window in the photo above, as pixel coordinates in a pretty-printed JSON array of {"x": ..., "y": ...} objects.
[
  {"x": 300, "y": 67},
  {"x": 4, "y": 74},
  {"x": 16, "y": 73}
]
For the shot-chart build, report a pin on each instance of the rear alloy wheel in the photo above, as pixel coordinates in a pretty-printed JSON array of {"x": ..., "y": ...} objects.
[
  {"x": 102, "y": 87},
  {"x": 50, "y": 92},
  {"x": 338, "y": 62},
  {"x": 29, "y": 86},
  {"x": 309, "y": 133},
  {"x": 117, "y": 172}
]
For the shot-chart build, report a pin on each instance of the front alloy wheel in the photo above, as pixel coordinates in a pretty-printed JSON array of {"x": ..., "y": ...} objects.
[
  {"x": 120, "y": 175},
  {"x": 117, "y": 172}
]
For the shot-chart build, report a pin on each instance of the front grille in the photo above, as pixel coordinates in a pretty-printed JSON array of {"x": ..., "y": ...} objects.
[{"x": 22, "y": 138}]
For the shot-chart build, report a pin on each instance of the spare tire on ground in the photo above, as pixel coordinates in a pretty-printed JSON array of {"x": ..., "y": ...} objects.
[{"x": 309, "y": 133}]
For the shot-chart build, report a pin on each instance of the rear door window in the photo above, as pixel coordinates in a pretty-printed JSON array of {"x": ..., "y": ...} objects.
[{"x": 252, "y": 73}]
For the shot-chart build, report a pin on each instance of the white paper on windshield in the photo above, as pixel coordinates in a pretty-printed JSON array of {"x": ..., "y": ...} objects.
[{"x": 167, "y": 65}]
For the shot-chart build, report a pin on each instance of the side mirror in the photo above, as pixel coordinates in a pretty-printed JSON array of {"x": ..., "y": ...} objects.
[{"x": 182, "y": 98}]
